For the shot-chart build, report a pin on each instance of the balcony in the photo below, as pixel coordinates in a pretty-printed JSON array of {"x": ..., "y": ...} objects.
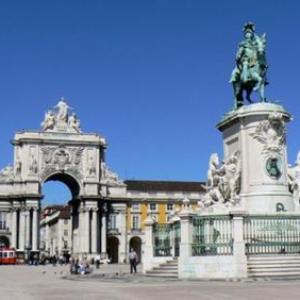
[
  {"x": 136, "y": 231},
  {"x": 113, "y": 231},
  {"x": 4, "y": 230}
]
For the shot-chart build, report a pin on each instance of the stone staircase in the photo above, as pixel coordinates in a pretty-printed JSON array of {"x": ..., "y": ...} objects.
[
  {"x": 169, "y": 269},
  {"x": 274, "y": 266}
]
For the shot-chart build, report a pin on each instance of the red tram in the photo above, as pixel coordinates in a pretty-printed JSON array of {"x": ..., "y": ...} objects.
[{"x": 8, "y": 256}]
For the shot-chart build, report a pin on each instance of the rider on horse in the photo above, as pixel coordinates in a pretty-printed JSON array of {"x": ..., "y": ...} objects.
[{"x": 250, "y": 71}]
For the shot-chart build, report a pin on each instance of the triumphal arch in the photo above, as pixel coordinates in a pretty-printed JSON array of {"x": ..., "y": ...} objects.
[{"x": 58, "y": 151}]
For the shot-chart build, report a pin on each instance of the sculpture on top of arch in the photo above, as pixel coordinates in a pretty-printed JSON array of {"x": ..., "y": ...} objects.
[{"x": 60, "y": 119}]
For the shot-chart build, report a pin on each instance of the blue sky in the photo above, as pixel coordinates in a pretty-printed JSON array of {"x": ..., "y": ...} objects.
[{"x": 151, "y": 76}]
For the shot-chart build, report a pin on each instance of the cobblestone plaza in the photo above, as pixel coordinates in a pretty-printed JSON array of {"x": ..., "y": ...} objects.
[{"x": 47, "y": 282}]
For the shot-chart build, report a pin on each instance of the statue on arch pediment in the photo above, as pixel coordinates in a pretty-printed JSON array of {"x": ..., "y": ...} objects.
[
  {"x": 7, "y": 174},
  {"x": 59, "y": 119},
  {"x": 62, "y": 110},
  {"x": 108, "y": 176},
  {"x": 74, "y": 123},
  {"x": 49, "y": 121}
]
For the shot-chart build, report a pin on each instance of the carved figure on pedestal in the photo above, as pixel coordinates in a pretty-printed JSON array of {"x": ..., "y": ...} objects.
[
  {"x": 212, "y": 174},
  {"x": 294, "y": 179},
  {"x": 223, "y": 183}
]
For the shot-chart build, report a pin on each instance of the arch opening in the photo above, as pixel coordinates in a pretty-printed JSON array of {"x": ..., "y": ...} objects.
[
  {"x": 4, "y": 241},
  {"x": 68, "y": 180},
  {"x": 113, "y": 249},
  {"x": 135, "y": 243}
]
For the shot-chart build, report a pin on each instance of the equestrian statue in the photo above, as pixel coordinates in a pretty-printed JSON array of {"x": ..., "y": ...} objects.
[{"x": 251, "y": 67}]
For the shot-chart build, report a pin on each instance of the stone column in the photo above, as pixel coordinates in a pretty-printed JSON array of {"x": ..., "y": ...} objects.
[
  {"x": 94, "y": 230},
  {"x": 103, "y": 233},
  {"x": 22, "y": 230},
  {"x": 87, "y": 231},
  {"x": 123, "y": 233},
  {"x": 47, "y": 238},
  {"x": 14, "y": 228},
  {"x": 35, "y": 229},
  {"x": 148, "y": 249},
  {"x": 239, "y": 244},
  {"x": 27, "y": 228},
  {"x": 81, "y": 231}
]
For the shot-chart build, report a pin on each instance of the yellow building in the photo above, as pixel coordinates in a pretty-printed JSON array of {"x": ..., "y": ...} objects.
[{"x": 159, "y": 199}]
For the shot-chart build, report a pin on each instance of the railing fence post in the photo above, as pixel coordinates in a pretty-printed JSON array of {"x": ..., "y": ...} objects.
[
  {"x": 149, "y": 246},
  {"x": 239, "y": 243}
]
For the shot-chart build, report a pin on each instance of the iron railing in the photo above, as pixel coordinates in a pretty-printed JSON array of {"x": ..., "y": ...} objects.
[
  {"x": 177, "y": 237},
  {"x": 270, "y": 234},
  {"x": 161, "y": 237},
  {"x": 212, "y": 235}
]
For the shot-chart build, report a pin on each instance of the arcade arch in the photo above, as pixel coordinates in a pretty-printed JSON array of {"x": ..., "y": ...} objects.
[
  {"x": 135, "y": 243},
  {"x": 113, "y": 249},
  {"x": 4, "y": 241}
]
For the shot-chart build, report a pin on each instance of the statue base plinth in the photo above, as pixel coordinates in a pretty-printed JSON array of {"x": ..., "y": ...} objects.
[{"x": 257, "y": 131}]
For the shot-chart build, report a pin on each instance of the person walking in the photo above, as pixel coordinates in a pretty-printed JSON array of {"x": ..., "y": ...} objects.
[
  {"x": 133, "y": 260},
  {"x": 97, "y": 261}
]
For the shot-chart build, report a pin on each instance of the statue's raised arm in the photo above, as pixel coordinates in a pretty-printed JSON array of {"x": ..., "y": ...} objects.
[{"x": 249, "y": 73}]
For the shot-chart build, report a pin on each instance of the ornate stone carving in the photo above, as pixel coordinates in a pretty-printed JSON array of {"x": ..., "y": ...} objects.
[
  {"x": 62, "y": 155},
  {"x": 74, "y": 123},
  {"x": 33, "y": 168},
  {"x": 49, "y": 121},
  {"x": 18, "y": 167},
  {"x": 91, "y": 166},
  {"x": 223, "y": 183},
  {"x": 7, "y": 174},
  {"x": 47, "y": 154},
  {"x": 294, "y": 179},
  {"x": 109, "y": 177},
  {"x": 76, "y": 154},
  {"x": 59, "y": 119},
  {"x": 272, "y": 134},
  {"x": 63, "y": 158}
]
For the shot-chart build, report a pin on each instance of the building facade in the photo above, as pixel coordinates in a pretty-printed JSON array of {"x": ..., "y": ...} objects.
[{"x": 56, "y": 230}]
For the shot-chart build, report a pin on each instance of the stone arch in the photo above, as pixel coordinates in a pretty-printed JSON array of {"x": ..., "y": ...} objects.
[
  {"x": 135, "y": 243},
  {"x": 4, "y": 241},
  {"x": 113, "y": 249},
  {"x": 59, "y": 151},
  {"x": 68, "y": 179}
]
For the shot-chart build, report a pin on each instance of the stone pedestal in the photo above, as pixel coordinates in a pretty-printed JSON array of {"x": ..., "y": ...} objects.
[{"x": 257, "y": 131}]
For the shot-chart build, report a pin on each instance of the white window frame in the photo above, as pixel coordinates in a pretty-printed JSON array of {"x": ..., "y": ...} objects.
[
  {"x": 135, "y": 206},
  {"x": 112, "y": 222},
  {"x": 135, "y": 222},
  {"x": 153, "y": 203}
]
